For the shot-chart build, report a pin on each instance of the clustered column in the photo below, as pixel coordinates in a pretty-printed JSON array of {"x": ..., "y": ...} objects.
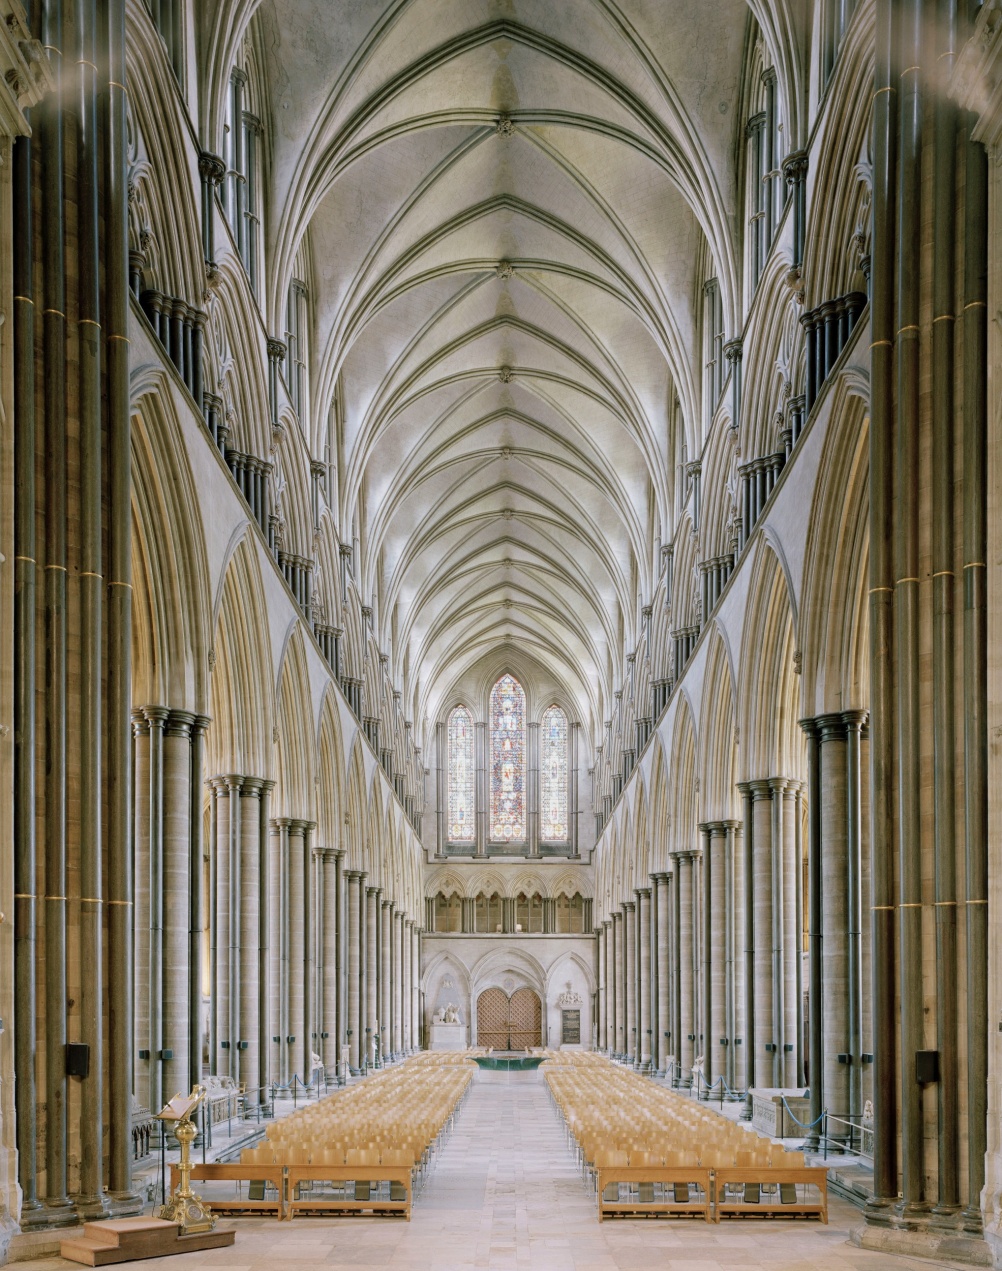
[
  {"x": 238, "y": 914},
  {"x": 839, "y": 997},
  {"x": 167, "y": 830},
  {"x": 73, "y": 881}
]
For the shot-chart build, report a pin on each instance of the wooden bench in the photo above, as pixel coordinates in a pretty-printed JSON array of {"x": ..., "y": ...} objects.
[
  {"x": 239, "y": 1172},
  {"x": 680, "y": 1178},
  {"x": 363, "y": 1176},
  {"x": 752, "y": 1178}
]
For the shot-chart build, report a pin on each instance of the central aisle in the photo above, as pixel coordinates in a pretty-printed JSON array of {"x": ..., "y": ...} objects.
[{"x": 505, "y": 1194}]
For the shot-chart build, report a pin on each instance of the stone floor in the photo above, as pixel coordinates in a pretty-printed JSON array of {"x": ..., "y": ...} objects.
[{"x": 505, "y": 1194}]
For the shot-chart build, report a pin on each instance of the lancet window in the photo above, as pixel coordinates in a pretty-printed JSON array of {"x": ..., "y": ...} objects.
[
  {"x": 507, "y": 785},
  {"x": 553, "y": 766},
  {"x": 462, "y": 827}
]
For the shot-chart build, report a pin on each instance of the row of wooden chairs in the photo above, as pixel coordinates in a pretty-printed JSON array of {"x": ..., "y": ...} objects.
[
  {"x": 356, "y": 1150},
  {"x": 651, "y": 1151}
]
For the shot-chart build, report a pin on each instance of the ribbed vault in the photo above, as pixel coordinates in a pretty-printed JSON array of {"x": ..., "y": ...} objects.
[{"x": 505, "y": 203}]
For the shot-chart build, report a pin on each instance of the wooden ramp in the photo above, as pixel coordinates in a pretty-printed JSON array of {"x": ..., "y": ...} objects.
[{"x": 128, "y": 1239}]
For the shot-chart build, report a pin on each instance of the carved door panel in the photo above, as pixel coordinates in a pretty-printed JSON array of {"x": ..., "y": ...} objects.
[
  {"x": 492, "y": 1019},
  {"x": 526, "y": 1019}
]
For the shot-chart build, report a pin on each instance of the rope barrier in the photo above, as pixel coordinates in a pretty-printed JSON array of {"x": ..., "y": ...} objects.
[{"x": 804, "y": 1125}]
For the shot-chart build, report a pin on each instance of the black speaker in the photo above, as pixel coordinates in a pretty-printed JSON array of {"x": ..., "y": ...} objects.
[
  {"x": 926, "y": 1066},
  {"x": 77, "y": 1059}
]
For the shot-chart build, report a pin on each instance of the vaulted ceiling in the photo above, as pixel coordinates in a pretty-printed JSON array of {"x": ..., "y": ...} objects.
[{"x": 505, "y": 201}]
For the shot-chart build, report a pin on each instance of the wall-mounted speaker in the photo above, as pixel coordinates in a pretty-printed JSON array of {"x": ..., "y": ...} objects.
[{"x": 77, "y": 1059}]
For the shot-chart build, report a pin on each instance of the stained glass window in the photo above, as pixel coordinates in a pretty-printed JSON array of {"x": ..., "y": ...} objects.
[
  {"x": 461, "y": 821},
  {"x": 507, "y": 761},
  {"x": 553, "y": 776}
]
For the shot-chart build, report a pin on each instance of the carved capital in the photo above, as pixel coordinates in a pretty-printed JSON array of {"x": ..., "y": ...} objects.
[{"x": 211, "y": 168}]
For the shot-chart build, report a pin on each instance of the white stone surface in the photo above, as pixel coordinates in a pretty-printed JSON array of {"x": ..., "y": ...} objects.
[{"x": 448, "y": 1037}]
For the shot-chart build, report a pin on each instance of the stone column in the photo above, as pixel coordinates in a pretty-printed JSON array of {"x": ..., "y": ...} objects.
[
  {"x": 707, "y": 1045},
  {"x": 815, "y": 938},
  {"x": 801, "y": 912},
  {"x": 372, "y": 896},
  {"x": 247, "y": 1056},
  {"x": 532, "y": 793},
  {"x": 266, "y": 1047},
  {"x": 792, "y": 935},
  {"x": 329, "y": 1027},
  {"x": 686, "y": 1005},
  {"x": 834, "y": 919},
  {"x": 618, "y": 964},
  {"x": 141, "y": 849},
  {"x": 855, "y": 723},
  {"x": 763, "y": 1040},
  {"x": 176, "y": 817},
  {"x": 310, "y": 1006},
  {"x": 157, "y": 717},
  {"x": 481, "y": 788},
  {"x": 342, "y": 957},
  {"x": 356, "y": 1051},
  {"x": 234, "y": 881},
  {"x": 675, "y": 946},
  {"x": 296, "y": 1040},
  {"x": 630, "y": 977},
  {"x": 715, "y": 883},
  {"x": 278, "y": 944},
  {"x": 224, "y": 803},
  {"x": 732, "y": 996},
  {"x": 398, "y": 984},
  {"x": 408, "y": 985},
  {"x": 778, "y": 786},
  {"x": 442, "y": 790},
  {"x": 610, "y": 989},
  {"x": 644, "y": 934},
  {"x": 662, "y": 1023},
  {"x": 196, "y": 899},
  {"x": 572, "y": 789},
  {"x": 416, "y": 989},
  {"x": 600, "y": 1002},
  {"x": 386, "y": 979},
  {"x": 747, "y": 895}
]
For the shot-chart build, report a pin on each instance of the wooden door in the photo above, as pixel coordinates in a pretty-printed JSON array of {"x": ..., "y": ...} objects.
[
  {"x": 526, "y": 1015},
  {"x": 492, "y": 1019}
]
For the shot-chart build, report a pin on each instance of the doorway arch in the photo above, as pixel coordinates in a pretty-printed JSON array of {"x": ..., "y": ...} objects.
[{"x": 509, "y": 1023}]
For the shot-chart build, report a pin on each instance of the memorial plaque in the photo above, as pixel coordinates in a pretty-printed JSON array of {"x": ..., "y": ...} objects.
[{"x": 570, "y": 1028}]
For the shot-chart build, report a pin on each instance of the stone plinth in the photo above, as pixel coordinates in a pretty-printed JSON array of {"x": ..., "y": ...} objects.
[
  {"x": 772, "y": 1118},
  {"x": 448, "y": 1037}
]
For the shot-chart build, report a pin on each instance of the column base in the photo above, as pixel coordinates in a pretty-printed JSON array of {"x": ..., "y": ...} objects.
[
  {"x": 972, "y": 1221},
  {"x": 47, "y": 1216},
  {"x": 92, "y": 1208},
  {"x": 915, "y": 1238}
]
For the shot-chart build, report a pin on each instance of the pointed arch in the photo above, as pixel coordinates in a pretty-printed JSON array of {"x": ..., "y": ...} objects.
[
  {"x": 295, "y": 788},
  {"x": 170, "y": 573},
  {"x": 356, "y": 808},
  {"x": 242, "y": 696},
  {"x": 836, "y": 612},
  {"x": 330, "y": 773},
  {"x": 769, "y": 708},
  {"x": 682, "y": 815},
  {"x": 718, "y": 752}
]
